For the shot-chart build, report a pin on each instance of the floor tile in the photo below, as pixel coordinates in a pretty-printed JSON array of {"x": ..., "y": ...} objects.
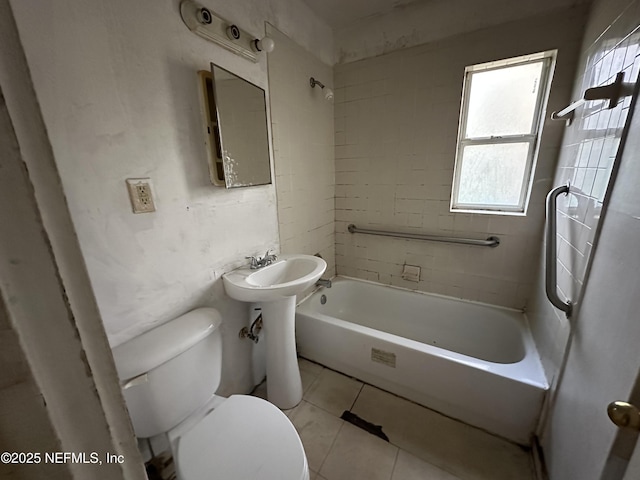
[
  {"x": 292, "y": 411},
  {"x": 309, "y": 366},
  {"x": 260, "y": 390},
  {"x": 357, "y": 455},
  {"x": 465, "y": 451},
  {"x": 424, "y": 444},
  {"x": 309, "y": 372},
  {"x": 289, "y": 411},
  {"x": 333, "y": 392},
  {"x": 410, "y": 467},
  {"x": 307, "y": 379},
  {"x": 317, "y": 429}
]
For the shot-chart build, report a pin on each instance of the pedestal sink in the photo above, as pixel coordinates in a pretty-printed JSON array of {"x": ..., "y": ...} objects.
[{"x": 275, "y": 287}]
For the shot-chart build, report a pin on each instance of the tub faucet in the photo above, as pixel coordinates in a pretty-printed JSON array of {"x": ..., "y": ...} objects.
[
  {"x": 259, "y": 262},
  {"x": 324, "y": 283}
]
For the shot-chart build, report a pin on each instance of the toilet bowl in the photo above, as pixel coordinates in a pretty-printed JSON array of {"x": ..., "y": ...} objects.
[
  {"x": 260, "y": 443},
  {"x": 169, "y": 376}
]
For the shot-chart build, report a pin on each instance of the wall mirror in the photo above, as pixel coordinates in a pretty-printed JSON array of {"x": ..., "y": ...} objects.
[{"x": 235, "y": 121}]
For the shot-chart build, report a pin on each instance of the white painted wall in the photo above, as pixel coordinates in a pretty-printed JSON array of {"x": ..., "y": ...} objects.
[
  {"x": 48, "y": 299},
  {"x": 117, "y": 85},
  {"x": 55, "y": 396},
  {"x": 396, "y": 120},
  {"x": 21, "y": 406},
  {"x": 423, "y": 22}
]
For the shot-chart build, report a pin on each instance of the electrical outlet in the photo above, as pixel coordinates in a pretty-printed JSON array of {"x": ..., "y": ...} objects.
[{"x": 140, "y": 195}]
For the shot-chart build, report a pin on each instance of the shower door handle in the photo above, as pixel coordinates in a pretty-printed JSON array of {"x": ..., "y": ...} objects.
[{"x": 551, "y": 274}]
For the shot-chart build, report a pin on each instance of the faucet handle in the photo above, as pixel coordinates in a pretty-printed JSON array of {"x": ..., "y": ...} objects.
[
  {"x": 269, "y": 258},
  {"x": 253, "y": 261}
]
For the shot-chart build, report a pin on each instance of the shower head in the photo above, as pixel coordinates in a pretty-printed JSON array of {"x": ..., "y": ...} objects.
[
  {"x": 313, "y": 82},
  {"x": 328, "y": 93}
]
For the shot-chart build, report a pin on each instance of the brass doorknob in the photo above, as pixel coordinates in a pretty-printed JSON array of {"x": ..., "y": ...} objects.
[{"x": 624, "y": 415}]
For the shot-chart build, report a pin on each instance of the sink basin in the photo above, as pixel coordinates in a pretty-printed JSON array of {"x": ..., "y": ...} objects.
[
  {"x": 275, "y": 287},
  {"x": 288, "y": 276}
]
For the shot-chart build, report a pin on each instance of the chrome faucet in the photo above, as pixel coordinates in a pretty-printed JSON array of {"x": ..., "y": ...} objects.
[
  {"x": 324, "y": 283},
  {"x": 259, "y": 262}
]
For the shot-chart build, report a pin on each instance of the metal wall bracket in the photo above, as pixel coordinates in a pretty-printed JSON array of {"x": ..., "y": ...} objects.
[{"x": 611, "y": 92}]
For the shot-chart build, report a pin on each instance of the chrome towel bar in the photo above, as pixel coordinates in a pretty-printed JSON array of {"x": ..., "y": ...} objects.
[
  {"x": 551, "y": 274},
  {"x": 489, "y": 242}
]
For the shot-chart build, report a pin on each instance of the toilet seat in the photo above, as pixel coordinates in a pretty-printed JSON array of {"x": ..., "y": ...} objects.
[{"x": 243, "y": 438}]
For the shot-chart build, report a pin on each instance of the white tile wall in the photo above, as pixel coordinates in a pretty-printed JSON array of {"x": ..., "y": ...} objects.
[
  {"x": 607, "y": 294},
  {"x": 587, "y": 159},
  {"x": 588, "y": 155},
  {"x": 396, "y": 123},
  {"x": 303, "y": 148}
]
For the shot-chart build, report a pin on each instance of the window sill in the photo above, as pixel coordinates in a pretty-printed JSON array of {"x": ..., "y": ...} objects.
[{"x": 507, "y": 213}]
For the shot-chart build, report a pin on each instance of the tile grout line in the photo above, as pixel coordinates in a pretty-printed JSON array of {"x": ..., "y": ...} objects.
[
  {"x": 357, "y": 396},
  {"x": 333, "y": 443},
  {"x": 395, "y": 462}
]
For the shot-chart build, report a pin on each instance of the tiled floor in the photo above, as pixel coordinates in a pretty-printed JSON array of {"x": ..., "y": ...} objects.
[{"x": 422, "y": 444}]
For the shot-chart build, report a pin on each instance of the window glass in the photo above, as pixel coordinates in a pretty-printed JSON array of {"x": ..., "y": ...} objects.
[
  {"x": 503, "y": 101},
  {"x": 493, "y": 174}
]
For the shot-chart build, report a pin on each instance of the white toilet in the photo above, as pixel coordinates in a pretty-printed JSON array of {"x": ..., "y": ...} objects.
[{"x": 169, "y": 376}]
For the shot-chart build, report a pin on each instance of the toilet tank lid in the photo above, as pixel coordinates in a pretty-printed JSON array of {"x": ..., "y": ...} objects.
[{"x": 159, "y": 345}]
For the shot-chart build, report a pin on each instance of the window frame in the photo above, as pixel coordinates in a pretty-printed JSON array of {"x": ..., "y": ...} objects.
[{"x": 547, "y": 59}]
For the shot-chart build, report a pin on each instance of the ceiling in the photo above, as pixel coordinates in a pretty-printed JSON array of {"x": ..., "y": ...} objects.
[{"x": 341, "y": 13}]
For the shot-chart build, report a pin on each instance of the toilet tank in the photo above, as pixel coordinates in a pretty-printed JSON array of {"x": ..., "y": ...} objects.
[{"x": 170, "y": 371}]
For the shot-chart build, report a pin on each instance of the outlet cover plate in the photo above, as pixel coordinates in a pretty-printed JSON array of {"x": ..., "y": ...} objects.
[{"x": 140, "y": 195}]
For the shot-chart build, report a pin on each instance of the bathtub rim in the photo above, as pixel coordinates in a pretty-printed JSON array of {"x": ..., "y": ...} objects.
[
  {"x": 338, "y": 278},
  {"x": 531, "y": 357}
]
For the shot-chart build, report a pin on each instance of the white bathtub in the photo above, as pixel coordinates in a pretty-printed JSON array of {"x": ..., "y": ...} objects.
[{"x": 470, "y": 361}]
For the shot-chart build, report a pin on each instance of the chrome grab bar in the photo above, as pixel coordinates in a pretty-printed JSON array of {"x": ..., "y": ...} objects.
[
  {"x": 551, "y": 274},
  {"x": 135, "y": 381},
  {"x": 489, "y": 242}
]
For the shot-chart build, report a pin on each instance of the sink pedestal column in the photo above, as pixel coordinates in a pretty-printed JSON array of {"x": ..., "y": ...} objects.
[{"x": 284, "y": 386}]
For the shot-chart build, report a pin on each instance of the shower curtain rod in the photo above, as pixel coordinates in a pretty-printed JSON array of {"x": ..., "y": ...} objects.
[{"x": 492, "y": 241}]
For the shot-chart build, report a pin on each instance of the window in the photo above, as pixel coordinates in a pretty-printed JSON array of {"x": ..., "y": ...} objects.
[{"x": 498, "y": 136}]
